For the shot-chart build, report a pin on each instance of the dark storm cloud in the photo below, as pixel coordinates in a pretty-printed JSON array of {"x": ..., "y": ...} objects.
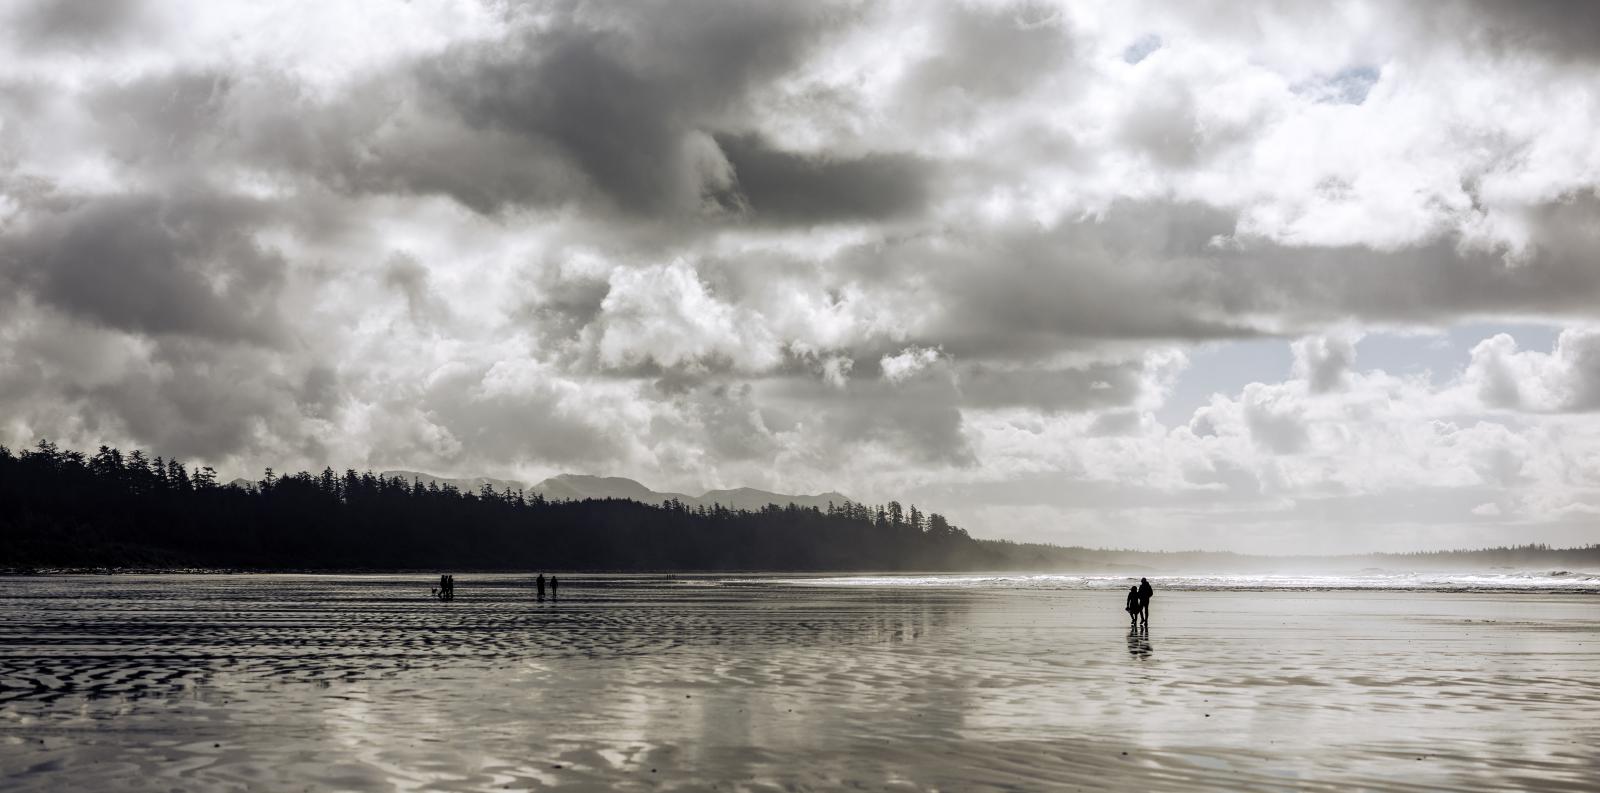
[
  {"x": 179, "y": 395},
  {"x": 165, "y": 119},
  {"x": 1164, "y": 271},
  {"x": 1563, "y": 28},
  {"x": 70, "y": 23},
  {"x": 382, "y": 136},
  {"x": 321, "y": 392},
  {"x": 197, "y": 399},
  {"x": 614, "y": 104},
  {"x": 618, "y": 92},
  {"x": 1139, "y": 272},
  {"x": 817, "y": 188},
  {"x": 183, "y": 264},
  {"x": 1432, "y": 282}
]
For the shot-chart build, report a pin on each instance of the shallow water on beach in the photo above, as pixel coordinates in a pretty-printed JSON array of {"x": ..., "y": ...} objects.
[{"x": 756, "y": 683}]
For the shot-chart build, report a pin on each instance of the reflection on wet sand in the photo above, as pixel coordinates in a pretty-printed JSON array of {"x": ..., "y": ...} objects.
[
  {"x": 682, "y": 683},
  {"x": 1139, "y": 642}
]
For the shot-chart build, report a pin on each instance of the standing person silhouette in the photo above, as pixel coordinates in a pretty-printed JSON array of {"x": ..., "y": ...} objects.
[
  {"x": 1134, "y": 606},
  {"x": 540, "y": 584},
  {"x": 554, "y": 582},
  {"x": 1145, "y": 593}
]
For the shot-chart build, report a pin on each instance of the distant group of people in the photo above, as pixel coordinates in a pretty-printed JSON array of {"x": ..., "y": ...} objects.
[
  {"x": 446, "y": 590},
  {"x": 1139, "y": 602}
]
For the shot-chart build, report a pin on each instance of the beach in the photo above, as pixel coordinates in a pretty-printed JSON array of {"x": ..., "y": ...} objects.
[{"x": 365, "y": 682}]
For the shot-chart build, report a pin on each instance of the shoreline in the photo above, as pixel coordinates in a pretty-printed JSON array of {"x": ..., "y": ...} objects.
[{"x": 1455, "y": 582}]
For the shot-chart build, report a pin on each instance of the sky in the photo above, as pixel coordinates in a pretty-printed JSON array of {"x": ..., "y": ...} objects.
[{"x": 1298, "y": 277}]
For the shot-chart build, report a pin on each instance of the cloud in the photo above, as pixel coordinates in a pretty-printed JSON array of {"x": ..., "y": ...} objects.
[
  {"x": 665, "y": 316},
  {"x": 1324, "y": 361},
  {"x": 791, "y": 187},
  {"x": 970, "y": 251},
  {"x": 986, "y": 52},
  {"x": 622, "y": 96},
  {"x": 1565, "y": 29},
  {"x": 907, "y": 363},
  {"x": 1277, "y": 422},
  {"x": 1567, "y": 379},
  {"x": 43, "y": 24},
  {"x": 180, "y": 264},
  {"x": 408, "y": 277}
]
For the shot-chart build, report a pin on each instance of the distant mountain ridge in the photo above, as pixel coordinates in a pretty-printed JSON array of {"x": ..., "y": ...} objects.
[
  {"x": 472, "y": 485},
  {"x": 577, "y": 487}
]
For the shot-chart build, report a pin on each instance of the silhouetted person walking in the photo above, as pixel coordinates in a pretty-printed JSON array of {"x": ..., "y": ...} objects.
[
  {"x": 540, "y": 584},
  {"x": 1145, "y": 593},
  {"x": 1134, "y": 605},
  {"x": 554, "y": 582}
]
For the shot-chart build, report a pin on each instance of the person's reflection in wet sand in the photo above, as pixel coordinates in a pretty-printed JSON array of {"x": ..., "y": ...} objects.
[{"x": 1139, "y": 643}]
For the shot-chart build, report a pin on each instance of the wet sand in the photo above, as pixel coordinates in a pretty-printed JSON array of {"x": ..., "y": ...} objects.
[{"x": 639, "y": 683}]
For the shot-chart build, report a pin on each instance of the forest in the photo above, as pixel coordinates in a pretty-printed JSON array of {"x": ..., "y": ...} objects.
[{"x": 61, "y": 508}]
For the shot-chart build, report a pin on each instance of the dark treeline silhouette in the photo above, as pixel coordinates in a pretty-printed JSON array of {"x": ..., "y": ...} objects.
[{"x": 63, "y": 508}]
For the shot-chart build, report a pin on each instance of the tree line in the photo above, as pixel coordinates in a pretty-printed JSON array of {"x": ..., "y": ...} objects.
[{"x": 64, "y": 508}]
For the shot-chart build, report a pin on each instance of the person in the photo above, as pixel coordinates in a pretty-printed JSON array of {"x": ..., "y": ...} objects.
[
  {"x": 540, "y": 584},
  {"x": 1145, "y": 593},
  {"x": 1134, "y": 605},
  {"x": 553, "y": 584}
]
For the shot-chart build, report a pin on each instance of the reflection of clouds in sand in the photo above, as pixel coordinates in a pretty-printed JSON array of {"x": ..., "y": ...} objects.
[{"x": 359, "y": 682}]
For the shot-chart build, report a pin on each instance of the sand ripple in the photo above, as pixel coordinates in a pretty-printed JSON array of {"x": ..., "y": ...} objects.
[{"x": 364, "y": 682}]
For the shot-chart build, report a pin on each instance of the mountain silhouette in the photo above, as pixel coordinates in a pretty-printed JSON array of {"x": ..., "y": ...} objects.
[
  {"x": 471, "y": 485},
  {"x": 577, "y": 487}
]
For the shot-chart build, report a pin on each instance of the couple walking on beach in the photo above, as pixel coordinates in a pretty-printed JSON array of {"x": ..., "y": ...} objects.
[
  {"x": 1139, "y": 602},
  {"x": 554, "y": 584}
]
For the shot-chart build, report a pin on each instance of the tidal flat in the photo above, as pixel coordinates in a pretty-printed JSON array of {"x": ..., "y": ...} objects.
[{"x": 366, "y": 682}]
